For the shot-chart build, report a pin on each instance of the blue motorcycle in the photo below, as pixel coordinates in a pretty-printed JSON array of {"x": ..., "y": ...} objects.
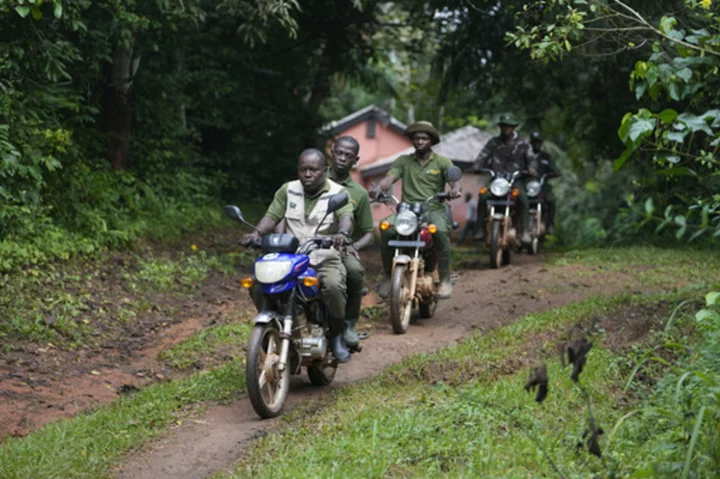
[{"x": 291, "y": 328}]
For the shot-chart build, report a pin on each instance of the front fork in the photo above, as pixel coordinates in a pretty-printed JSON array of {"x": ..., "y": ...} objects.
[{"x": 286, "y": 333}]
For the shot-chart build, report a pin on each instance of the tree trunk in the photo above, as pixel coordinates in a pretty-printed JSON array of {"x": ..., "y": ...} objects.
[{"x": 119, "y": 105}]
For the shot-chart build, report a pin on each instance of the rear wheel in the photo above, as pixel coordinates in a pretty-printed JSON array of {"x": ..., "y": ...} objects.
[
  {"x": 267, "y": 386},
  {"x": 322, "y": 373},
  {"x": 496, "y": 251},
  {"x": 427, "y": 309},
  {"x": 400, "y": 301}
]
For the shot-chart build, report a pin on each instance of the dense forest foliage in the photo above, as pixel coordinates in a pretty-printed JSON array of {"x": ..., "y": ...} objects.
[{"x": 120, "y": 119}]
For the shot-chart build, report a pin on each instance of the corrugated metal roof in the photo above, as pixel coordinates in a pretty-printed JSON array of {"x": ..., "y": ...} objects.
[{"x": 367, "y": 113}]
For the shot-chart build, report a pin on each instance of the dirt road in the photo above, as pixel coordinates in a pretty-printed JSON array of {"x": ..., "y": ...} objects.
[{"x": 482, "y": 299}]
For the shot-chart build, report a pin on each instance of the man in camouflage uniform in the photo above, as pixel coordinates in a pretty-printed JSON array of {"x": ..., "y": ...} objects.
[
  {"x": 546, "y": 167},
  {"x": 423, "y": 174},
  {"x": 507, "y": 153},
  {"x": 344, "y": 156}
]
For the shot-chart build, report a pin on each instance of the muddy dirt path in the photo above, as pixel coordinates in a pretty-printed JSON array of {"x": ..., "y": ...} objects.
[{"x": 482, "y": 299}]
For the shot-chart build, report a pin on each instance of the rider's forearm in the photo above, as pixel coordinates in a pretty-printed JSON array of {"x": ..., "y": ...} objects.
[
  {"x": 387, "y": 182},
  {"x": 346, "y": 224},
  {"x": 266, "y": 225},
  {"x": 364, "y": 241}
]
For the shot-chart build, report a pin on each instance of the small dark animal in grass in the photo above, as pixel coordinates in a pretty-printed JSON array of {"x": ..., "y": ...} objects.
[
  {"x": 593, "y": 445},
  {"x": 577, "y": 355},
  {"x": 127, "y": 389},
  {"x": 538, "y": 378}
]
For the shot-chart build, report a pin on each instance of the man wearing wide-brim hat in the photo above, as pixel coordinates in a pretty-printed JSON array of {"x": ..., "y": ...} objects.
[
  {"x": 423, "y": 173},
  {"x": 507, "y": 153}
]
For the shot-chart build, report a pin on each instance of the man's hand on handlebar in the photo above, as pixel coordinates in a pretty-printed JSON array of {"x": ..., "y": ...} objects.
[
  {"x": 532, "y": 172},
  {"x": 455, "y": 192},
  {"x": 248, "y": 239},
  {"x": 339, "y": 240}
]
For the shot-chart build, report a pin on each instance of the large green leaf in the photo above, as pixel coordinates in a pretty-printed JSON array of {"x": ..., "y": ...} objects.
[
  {"x": 695, "y": 123},
  {"x": 639, "y": 129},
  {"x": 685, "y": 74},
  {"x": 668, "y": 116}
]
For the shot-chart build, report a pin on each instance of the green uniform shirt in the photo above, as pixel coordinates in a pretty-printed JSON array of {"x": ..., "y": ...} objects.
[
  {"x": 362, "y": 215},
  {"x": 277, "y": 208},
  {"x": 421, "y": 182}
]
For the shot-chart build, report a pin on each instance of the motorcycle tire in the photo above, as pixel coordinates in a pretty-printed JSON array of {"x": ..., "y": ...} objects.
[
  {"x": 506, "y": 256},
  {"x": 427, "y": 310},
  {"x": 266, "y": 396},
  {"x": 320, "y": 375},
  {"x": 496, "y": 251},
  {"x": 400, "y": 303},
  {"x": 534, "y": 247}
]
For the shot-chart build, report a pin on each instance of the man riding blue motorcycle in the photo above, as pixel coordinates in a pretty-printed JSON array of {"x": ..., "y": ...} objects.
[{"x": 303, "y": 204}]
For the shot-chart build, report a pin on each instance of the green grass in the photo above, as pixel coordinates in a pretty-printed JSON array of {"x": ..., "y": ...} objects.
[
  {"x": 211, "y": 344},
  {"x": 87, "y": 445},
  {"x": 462, "y": 412}
]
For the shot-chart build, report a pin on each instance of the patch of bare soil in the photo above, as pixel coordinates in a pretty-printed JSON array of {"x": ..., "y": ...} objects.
[
  {"x": 40, "y": 383},
  {"x": 483, "y": 299}
]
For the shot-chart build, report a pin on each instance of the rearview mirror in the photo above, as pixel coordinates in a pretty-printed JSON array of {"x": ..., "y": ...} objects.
[
  {"x": 233, "y": 212},
  {"x": 337, "y": 201},
  {"x": 453, "y": 174}
]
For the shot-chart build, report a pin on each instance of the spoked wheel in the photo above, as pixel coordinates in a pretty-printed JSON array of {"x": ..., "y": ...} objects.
[
  {"x": 267, "y": 386},
  {"x": 496, "y": 251},
  {"x": 322, "y": 372},
  {"x": 400, "y": 301}
]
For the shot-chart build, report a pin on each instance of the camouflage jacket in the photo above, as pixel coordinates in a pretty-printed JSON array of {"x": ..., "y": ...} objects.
[{"x": 502, "y": 157}]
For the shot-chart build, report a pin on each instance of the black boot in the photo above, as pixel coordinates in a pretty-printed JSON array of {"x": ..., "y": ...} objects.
[{"x": 337, "y": 346}]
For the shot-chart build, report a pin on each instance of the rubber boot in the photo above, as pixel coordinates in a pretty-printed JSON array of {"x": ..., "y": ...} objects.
[
  {"x": 350, "y": 336},
  {"x": 337, "y": 346},
  {"x": 445, "y": 290}
]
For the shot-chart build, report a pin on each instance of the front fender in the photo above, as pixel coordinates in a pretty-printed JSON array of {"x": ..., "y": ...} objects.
[
  {"x": 401, "y": 259},
  {"x": 267, "y": 317}
]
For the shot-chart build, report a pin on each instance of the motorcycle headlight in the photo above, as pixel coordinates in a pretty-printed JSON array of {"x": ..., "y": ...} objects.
[
  {"x": 269, "y": 272},
  {"x": 406, "y": 223},
  {"x": 500, "y": 187},
  {"x": 533, "y": 188}
]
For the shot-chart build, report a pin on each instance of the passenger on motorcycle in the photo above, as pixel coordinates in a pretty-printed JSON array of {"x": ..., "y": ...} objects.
[
  {"x": 303, "y": 203},
  {"x": 344, "y": 155},
  {"x": 546, "y": 167},
  {"x": 507, "y": 153},
  {"x": 423, "y": 174}
]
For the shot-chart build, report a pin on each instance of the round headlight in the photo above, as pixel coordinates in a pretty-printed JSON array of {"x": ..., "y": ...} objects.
[
  {"x": 406, "y": 223},
  {"x": 533, "y": 188},
  {"x": 269, "y": 272},
  {"x": 500, "y": 187}
]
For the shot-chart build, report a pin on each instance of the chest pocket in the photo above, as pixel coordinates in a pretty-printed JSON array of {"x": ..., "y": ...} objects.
[{"x": 294, "y": 212}]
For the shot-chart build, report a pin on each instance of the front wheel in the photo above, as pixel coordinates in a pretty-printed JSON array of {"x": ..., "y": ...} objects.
[
  {"x": 267, "y": 386},
  {"x": 496, "y": 250},
  {"x": 400, "y": 301}
]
